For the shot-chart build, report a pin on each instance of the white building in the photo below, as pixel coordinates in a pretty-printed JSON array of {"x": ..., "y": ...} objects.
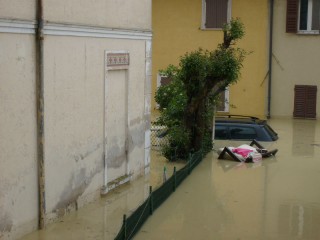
[{"x": 74, "y": 105}]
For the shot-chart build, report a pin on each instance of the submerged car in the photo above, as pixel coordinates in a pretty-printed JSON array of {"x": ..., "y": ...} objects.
[{"x": 238, "y": 127}]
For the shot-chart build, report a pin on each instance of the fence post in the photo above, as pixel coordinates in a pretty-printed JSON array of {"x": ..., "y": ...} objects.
[
  {"x": 174, "y": 178},
  {"x": 151, "y": 200},
  {"x": 124, "y": 227},
  {"x": 189, "y": 164},
  {"x": 164, "y": 174}
]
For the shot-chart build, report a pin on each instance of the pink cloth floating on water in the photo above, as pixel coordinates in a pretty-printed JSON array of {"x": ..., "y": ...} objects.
[{"x": 242, "y": 151}]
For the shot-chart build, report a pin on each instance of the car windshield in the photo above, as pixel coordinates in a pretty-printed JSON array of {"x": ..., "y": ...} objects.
[{"x": 243, "y": 128}]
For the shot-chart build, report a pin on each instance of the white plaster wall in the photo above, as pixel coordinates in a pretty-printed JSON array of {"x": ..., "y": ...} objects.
[
  {"x": 74, "y": 75},
  {"x": 18, "y": 140},
  {"x": 18, "y": 9},
  {"x": 133, "y": 14},
  {"x": 296, "y": 61},
  {"x": 74, "y": 108}
]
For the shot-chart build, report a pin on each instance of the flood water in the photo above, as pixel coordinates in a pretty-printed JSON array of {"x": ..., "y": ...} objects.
[{"x": 277, "y": 199}]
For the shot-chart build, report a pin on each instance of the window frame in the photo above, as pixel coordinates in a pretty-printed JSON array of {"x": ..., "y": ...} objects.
[
  {"x": 159, "y": 78},
  {"x": 293, "y": 18},
  {"x": 309, "y": 19},
  {"x": 203, "y": 20},
  {"x": 226, "y": 101}
]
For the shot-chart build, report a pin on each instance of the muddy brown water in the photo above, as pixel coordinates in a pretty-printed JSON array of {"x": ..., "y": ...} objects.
[{"x": 277, "y": 199}]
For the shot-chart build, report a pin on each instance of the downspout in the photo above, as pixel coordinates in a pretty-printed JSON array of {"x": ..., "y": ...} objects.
[
  {"x": 40, "y": 114},
  {"x": 270, "y": 58}
]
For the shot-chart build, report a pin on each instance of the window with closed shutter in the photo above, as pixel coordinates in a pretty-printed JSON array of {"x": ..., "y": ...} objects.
[
  {"x": 216, "y": 13},
  {"x": 305, "y": 101},
  {"x": 164, "y": 80}
]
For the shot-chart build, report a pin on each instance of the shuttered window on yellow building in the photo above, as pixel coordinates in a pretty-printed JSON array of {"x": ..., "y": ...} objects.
[{"x": 216, "y": 13}]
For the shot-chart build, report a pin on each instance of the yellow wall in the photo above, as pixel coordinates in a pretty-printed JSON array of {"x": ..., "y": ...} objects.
[{"x": 176, "y": 26}]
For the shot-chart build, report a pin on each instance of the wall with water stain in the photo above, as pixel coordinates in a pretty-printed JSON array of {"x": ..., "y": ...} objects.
[
  {"x": 74, "y": 103},
  {"x": 74, "y": 115}
]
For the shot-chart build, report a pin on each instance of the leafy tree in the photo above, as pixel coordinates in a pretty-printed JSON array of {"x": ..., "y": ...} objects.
[{"x": 186, "y": 103}]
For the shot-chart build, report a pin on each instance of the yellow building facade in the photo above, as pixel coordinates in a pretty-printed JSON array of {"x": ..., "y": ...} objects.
[{"x": 180, "y": 26}]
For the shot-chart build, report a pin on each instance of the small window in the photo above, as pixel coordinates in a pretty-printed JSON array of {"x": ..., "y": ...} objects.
[
  {"x": 303, "y": 16},
  {"x": 243, "y": 133},
  {"x": 215, "y": 13},
  {"x": 163, "y": 80},
  {"x": 309, "y": 15}
]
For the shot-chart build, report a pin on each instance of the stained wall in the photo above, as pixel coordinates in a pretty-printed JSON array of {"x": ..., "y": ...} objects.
[{"x": 76, "y": 38}]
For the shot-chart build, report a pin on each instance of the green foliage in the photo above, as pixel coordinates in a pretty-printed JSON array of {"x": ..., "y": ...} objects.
[
  {"x": 235, "y": 29},
  {"x": 178, "y": 142},
  {"x": 186, "y": 104}
]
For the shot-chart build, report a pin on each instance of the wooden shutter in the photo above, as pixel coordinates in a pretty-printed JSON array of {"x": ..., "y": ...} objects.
[
  {"x": 216, "y": 13},
  {"x": 315, "y": 15},
  {"x": 305, "y": 101},
  {"x": 164, "y": 80},
  {"x": 311, "y": 100},
  {"x": 292, "y": 16}
]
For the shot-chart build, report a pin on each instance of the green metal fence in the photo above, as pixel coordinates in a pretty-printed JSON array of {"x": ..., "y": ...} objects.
[
  {"x": 157, "y": 136},
  {"x": 132, "y": 224}
]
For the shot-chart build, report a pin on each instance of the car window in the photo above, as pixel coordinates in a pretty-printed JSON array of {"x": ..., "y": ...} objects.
[
  {"x": 220, "y": 132},
  {"x": 243, "y": 133}
]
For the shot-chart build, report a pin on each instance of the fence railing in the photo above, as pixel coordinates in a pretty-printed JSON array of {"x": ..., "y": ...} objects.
[
  {"x": 132, "y": 224},
  {"x": 158, "y": 137}
]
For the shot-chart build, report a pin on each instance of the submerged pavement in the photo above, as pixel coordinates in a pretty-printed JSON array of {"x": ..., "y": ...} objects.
[{"x": 277, "y": 199}]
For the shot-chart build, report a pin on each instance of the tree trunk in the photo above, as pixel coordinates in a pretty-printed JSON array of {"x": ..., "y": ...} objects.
[
  {"x": 200, "y": 126},
  {"x": 196, "y": 124}
]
